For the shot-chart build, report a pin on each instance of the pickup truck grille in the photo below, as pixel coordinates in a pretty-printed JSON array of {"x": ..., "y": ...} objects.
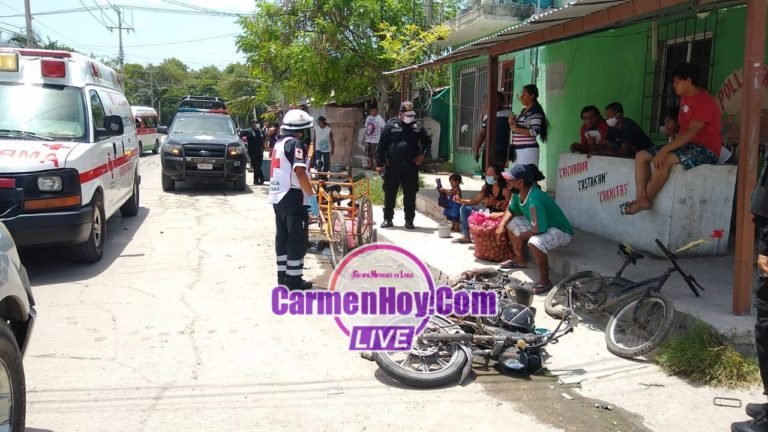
[
  {"x": 205, "y": 150},
  {"x": 9, "y": 208}
]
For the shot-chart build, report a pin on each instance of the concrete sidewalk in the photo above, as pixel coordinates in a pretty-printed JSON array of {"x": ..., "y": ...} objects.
[
  {"x": 590, "y": 252},
  {"x": 581, "y": 359}
]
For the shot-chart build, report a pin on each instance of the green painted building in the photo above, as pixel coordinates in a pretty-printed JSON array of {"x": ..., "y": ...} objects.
[{"x": 631, "y": 65}]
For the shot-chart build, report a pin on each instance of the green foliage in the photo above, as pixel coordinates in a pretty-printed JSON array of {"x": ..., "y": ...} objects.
[
  {"x": 333, "y": 49},
  {"x": 701, "y": 355},
  {"x": 377, "y": 188}
]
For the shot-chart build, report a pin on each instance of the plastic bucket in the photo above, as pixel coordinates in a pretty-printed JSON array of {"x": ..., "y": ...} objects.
[{"x": 444, "y": 231}]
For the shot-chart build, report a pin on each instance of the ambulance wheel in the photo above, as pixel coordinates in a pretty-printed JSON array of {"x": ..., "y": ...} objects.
[
  {"x": 156, "y": 148},
  {"x": 168, "y": 183},
  {"x": 240, "y": 184},
  {"x": 92, "y": 250},
  {"x": 131, "y": 207}
]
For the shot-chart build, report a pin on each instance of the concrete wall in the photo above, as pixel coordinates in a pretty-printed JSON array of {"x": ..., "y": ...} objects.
[{"x": 691, "y": 206}]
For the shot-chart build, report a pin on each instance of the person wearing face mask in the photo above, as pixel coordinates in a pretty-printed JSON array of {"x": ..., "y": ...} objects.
[
  {"x": 494, "y": 195},
  {"x": 625, "y": 136},
  {"x": 402, "y": 149}
]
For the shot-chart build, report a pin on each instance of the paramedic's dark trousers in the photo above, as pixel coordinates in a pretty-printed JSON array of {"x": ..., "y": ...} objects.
[
  {"x": 761, "y": 330},
  {"x": 397, "y": 175},
  {"x": 291, "y": 236}
]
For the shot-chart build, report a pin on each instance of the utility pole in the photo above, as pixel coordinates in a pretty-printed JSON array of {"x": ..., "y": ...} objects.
[
  {"x": 120, "y": 27},
  {"x": 428, "y": 12},
  {"x": 28, "y": 18}
]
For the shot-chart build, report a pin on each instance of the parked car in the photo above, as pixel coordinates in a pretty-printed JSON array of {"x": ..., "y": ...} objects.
[
  {"x": 202, "y": 147},
  {"x": 69, "y": 155},
  {"x": 17, "y": 318}
]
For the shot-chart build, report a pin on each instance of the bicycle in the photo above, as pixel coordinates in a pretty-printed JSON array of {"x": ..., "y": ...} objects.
[{"x": 644, "y": 315}]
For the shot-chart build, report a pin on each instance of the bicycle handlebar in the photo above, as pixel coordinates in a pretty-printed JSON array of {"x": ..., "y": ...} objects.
[{"x": 693, "y": 284}]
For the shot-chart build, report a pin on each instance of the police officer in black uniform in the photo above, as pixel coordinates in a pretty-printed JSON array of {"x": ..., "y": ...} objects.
[
  {"x": 759, "y": 412},
  {"x": 290, "y": 192},
  {"x": 255, "y": 150},
  {"x": 402, "y": 149}
]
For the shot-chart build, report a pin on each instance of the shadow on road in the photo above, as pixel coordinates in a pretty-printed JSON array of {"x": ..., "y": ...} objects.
[
  {"x": 36, "y": 430},
  {"x": 52, "y": 265},
  {"x": 208, "y": 189}
]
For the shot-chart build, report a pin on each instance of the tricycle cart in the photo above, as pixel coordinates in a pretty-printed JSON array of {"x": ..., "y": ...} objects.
[{"x": 346, "y": 212}]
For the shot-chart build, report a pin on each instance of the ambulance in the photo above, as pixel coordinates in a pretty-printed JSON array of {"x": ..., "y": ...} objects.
[
  {"x": 69, "y": 154},
  {"x": 146, "y": 119}
]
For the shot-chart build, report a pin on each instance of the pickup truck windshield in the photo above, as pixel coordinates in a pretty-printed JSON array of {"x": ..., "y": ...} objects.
[
  {"x": 42, "y": 112},
  {"x": 203, "y": 124}
]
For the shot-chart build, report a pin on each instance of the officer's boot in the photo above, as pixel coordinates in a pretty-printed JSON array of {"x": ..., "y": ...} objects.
[
  {"x": 296, "y": 283},
  {"x": 756, "y": 410},
  {"x": 759, "y": 424}
]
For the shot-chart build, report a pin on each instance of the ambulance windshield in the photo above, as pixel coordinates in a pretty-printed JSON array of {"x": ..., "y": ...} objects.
[{"x": 42, "y": 112}]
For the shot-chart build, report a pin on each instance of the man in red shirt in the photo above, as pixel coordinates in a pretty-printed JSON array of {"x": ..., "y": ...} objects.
[
  {"x": 594, "y": 131},
  {"x": 698, "y": 143}
]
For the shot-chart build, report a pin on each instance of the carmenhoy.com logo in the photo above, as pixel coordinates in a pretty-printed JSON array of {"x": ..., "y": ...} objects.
[{"x": 381, "y": 296}]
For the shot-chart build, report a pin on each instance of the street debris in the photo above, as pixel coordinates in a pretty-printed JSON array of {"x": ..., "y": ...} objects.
[
  {"x": 649, "y": 385},
  {"x": 726, "y": 402},
  {"x": 335, "y": 391},
  {"x": 604, "y": 407},
  {"x": 566, "y": 396}
]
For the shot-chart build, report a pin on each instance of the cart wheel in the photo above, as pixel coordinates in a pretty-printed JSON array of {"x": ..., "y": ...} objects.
[
  {"x": 338, "y": 237},
  {"x": 364, "y": 221}
]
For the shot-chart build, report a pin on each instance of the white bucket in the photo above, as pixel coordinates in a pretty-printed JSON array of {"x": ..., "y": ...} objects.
[{"x": 444, "y": 231}]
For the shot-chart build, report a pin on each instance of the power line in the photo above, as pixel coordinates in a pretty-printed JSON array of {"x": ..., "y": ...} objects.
[
  {"x": 93, "y": 14},
  {"x": 206, "y": 12}
]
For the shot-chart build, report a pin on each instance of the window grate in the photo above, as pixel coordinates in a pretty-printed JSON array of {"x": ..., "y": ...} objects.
[
  {"x": 669, "y": 44},
  {"x": 472, "y": 86}
]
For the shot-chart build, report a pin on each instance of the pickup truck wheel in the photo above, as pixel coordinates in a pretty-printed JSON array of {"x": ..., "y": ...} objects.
[
  {"x": 131, "y": 207},
  {"x": 92, "y": 249},
  {"x": 12, "y": 384},
  {"x": 168, "y": 183},
  {"x": 156, "y": 148},
  {"x": 240, "y": 184}
]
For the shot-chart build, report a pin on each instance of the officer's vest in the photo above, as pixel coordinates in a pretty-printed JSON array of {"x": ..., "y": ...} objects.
[{"x": 282, "y": 178}]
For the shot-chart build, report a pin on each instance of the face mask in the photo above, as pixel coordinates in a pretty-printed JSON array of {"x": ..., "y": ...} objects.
[
  {"x": 612, "y": 122},
  {"x": 408, "y": 120},
  {"x": 490, "y": 180}
]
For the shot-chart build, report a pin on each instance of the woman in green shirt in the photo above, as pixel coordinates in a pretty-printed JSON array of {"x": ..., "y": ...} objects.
[{"x": 533, "y": 216}]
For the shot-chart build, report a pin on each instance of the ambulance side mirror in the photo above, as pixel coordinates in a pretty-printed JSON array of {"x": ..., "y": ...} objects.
[{"x": 162, "y": 130}]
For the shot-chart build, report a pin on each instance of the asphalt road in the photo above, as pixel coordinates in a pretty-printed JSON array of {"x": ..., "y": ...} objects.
[{"x": 172, "y": 331}]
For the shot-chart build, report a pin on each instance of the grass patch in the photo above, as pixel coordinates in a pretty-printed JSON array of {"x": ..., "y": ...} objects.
[
  {"x": 702, "y": 356},
  {"x": 377, "y": 188}
]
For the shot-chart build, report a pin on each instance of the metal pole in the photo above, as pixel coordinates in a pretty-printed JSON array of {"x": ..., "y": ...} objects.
[
  {"x": 754, "y": 56},
  {"x": 428, "y": 13},
  {"x": 120, "y": 37},
  {"x": 28, "y": 18},
  {"x": 490, "y": 108}
]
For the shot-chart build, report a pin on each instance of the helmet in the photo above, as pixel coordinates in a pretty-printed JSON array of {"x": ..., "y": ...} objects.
[
  {"x": 517, "y": 317},
  {"x": 296, "y": 120}
]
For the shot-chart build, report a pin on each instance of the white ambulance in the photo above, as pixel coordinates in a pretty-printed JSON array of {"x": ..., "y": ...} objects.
[
  {"x": 69, "y": 155},
  {"x": 146, "y": 128}
]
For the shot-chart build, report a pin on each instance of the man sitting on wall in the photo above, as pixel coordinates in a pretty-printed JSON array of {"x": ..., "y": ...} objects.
[
  {"x": 625, "y": 137},
  {"x": 594, "y": 131},
  {"x": 698, "y": 143}
]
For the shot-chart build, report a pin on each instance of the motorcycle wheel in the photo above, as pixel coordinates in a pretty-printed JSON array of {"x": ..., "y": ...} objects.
[
  {"x": 556, "y": 302},
  {"x": 428, "y": 365}
]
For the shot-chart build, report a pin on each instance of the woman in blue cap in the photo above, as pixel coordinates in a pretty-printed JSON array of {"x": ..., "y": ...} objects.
[{"x": 533, "y": 217}]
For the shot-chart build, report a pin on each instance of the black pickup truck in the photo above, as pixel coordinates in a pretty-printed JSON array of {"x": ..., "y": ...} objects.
[{"x": 203, "y": 147}]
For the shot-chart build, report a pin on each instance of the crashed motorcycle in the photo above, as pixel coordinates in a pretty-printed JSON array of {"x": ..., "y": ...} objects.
[{"x": 445, "y": 351}]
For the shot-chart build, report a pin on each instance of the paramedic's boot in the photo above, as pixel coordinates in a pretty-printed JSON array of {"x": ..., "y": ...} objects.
[{"x": 296, "y": 283}]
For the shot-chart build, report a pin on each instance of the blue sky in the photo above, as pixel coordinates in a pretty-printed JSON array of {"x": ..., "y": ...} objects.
[{"x": 214, "y": 40}]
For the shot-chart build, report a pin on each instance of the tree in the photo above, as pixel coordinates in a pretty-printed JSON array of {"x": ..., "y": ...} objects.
[{"x": 333, "y": 49}]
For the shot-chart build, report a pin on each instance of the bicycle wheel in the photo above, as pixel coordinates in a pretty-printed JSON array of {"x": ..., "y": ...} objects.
[
  {"x": 588, "y": 292},
  {"x": 639, "y": 326}
]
